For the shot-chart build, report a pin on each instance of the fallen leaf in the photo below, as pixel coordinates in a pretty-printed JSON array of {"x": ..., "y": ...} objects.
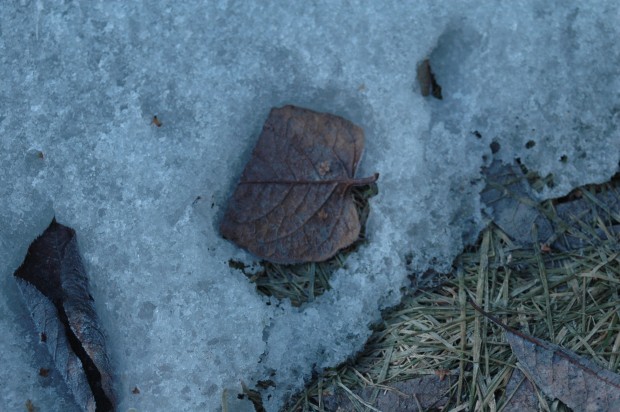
[
  {"x": 575, "y": 380},
  {"x": 521, "y": 394},
  {"x": 511, "y": 204},
  {"x": 293, "y": 202},
  {"x": 156, "y": 122},
  {"x": 427, "y": 81},
  {"x": 417, "y": 394},
  {"x": 54, "y": 285},
  {"x": 562, "y": 374}
]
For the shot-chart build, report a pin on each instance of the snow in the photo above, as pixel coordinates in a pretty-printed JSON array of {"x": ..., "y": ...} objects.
[{"x": 81, "y": 81}]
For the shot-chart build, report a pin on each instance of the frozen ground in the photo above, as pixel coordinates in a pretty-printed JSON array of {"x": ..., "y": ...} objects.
[{"x": 81, "y": 81}]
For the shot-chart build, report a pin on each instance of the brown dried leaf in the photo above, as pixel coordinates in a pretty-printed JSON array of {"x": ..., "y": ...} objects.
[
  {"x": 427, "y": 81},
  {"x": 293, "y": 202},
  {"x": 561, "y": 374}
]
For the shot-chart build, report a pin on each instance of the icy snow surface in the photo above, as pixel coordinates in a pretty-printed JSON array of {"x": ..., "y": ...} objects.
[{"x": 81, "y": 81}]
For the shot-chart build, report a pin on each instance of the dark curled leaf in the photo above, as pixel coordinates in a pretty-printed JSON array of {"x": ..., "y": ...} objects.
[
  {"x": 54, "y": 284},
  {"x": 293, "y": 202}
]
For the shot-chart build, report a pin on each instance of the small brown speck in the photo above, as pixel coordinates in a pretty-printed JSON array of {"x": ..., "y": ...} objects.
[
  {"x": 156, "y": 122},
  {"x": 442, "y": 373},
  {"x": 322, "y": 214},
  {"x": 30, "y": 406},
  {"x": 135, "y": 390},
  {"x": 44, "y": 372},
  {"x": 43, "y": 337}
]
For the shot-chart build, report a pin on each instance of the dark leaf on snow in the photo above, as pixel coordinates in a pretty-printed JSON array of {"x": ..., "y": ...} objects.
[
  {"x": 54, "y": 285},
  {"x": 293, "y": 203}
]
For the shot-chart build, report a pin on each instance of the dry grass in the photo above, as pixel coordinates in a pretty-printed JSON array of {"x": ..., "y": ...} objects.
[{"x": 570, "y": 298}]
